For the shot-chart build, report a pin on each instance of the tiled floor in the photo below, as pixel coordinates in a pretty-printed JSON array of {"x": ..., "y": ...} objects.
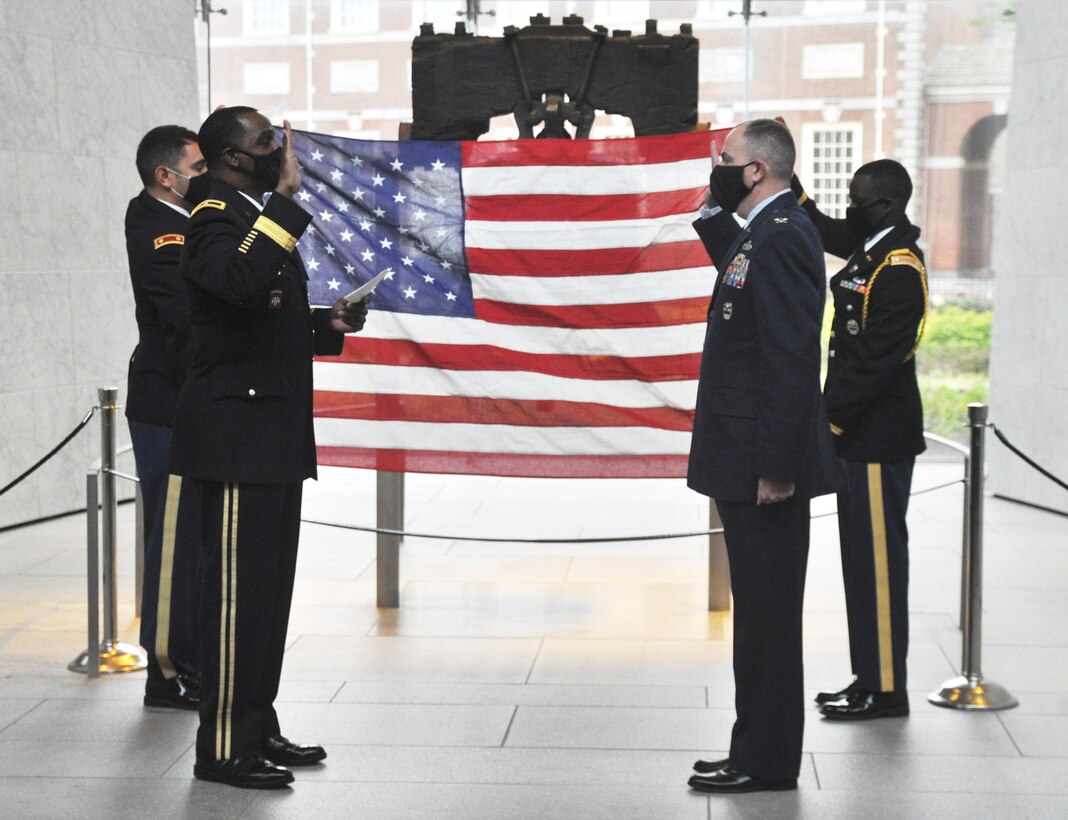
[{"x": 545, "y": 681}]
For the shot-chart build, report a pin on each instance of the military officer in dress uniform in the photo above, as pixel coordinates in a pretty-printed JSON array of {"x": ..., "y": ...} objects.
[
  {"x": 873, "y": 401},
  {"x": 173, "y": 172},
  {"x": 761, "y": 442},
  {"x": 243, "y": 433}
]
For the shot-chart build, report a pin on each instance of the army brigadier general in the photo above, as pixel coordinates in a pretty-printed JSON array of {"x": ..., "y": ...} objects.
[{"x": 243, "y": 432}]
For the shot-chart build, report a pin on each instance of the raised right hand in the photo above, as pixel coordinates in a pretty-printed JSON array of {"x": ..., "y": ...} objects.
[{"x": 289, "y": 179}]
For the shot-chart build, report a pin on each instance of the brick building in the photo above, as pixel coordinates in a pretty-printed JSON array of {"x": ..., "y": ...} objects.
[{"x": 926, "y": 83}]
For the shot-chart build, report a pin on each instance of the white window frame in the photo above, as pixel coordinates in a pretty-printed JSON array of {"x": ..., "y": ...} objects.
[
  {"x": 365, "y": 22},
  {"x": 810, "y": 60},
  {"x": 249, "y": 18},
  {"x": 372, "y": 66},
  {"x": 281, "y": 72},
  {"x": 829, "y": 187}
]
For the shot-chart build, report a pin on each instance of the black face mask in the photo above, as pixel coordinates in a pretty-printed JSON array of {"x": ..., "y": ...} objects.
[
  {"x": 199, "y": 188},
  {"x": 267, "y": 168},
  {"x": 860, "y": 222},
  {"x": 728, "y": 185}
]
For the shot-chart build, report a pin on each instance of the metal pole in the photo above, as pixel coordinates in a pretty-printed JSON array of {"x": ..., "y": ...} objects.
[
  {"x": 391, "y": 517},
  {"x": 92, "y": 570},
  {"x": 719, "y": 568},
  {"x": 966, "y": 537},
  {"x": 970, "y": 691},
  {"x": 114, "y": 656}
]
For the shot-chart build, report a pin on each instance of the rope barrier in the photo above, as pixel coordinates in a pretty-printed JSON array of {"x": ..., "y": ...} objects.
[
  {"x": 602, "y": 540},
  {"x": 1027, "y": 460},
  {"x": 54, "y": 450}
]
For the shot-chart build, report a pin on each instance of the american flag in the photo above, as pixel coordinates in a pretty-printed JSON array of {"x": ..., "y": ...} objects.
[{"x": 545, "y": 313}]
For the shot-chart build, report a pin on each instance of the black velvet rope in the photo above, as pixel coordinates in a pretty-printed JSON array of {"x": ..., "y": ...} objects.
[
  {"x": 1027, "y": 460},
  {"x": 53, "y": 451}
]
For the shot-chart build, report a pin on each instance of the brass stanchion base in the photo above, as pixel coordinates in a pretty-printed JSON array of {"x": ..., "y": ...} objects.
[
  {"x": 973, "y": 694},
  {"x": 114, "y": 657}
]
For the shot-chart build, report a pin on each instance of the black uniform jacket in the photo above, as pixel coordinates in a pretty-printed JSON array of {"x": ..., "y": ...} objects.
[
  {"x": 155, "y": 234},
  {"x": 759, "y": 411},
  {"x": 880, "y": 306},
  {"x": 245, "y": 411}
]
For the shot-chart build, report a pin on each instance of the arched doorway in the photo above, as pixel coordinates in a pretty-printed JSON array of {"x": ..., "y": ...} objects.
[{"x": 981, "y": 167}]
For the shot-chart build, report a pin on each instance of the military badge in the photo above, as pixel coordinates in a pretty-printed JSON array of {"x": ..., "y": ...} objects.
[
  {"x": 853, "y": 327},
  {"x": 748, "y": 246},
  {"x": 728, "y": 310},
  {"x": 274, "y": 302}
]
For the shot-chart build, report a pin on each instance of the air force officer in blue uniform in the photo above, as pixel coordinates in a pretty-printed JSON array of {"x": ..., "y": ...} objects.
[{"x": 761, "y": 442}]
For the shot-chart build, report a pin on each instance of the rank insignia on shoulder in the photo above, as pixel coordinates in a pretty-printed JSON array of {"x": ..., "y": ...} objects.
[
  {"x": 168, "y": 239},
  {"x": 217, "y": 204}
]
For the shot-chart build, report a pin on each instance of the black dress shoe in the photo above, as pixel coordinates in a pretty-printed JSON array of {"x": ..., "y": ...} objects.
[
  {"x": 181, "y": 692},
  {"x": 244, "y": 772},
  {"x": 827, "y": 697},
  {"x": 864, "y": 705},
  {"x": 281, "y": 750},
  {"x": 706, "y": 766},
  {"x": 727, "y": 780}
]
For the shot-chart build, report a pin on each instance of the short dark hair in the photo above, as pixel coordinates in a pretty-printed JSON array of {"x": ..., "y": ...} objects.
[
  {"x": 163, "y": 145},
  {"x": 889, "y": 178},
  {"x": 770, "y": 142},
  {"x": 221, "y": 129}
]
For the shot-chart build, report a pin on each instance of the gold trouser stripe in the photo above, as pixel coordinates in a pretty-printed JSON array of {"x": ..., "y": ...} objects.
[
  {"x": 166, "y": 577},
  {"x": 276, "y": 232},
  {"x": 227, "y": 624},
  {"x": 882, "y": 577}
]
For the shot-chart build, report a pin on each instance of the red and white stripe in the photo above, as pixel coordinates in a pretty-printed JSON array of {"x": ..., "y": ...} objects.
[{"x": 591, "y": 290}]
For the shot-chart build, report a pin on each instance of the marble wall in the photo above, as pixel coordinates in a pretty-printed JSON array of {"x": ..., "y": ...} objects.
[
  {"x": 1029, "y": 366},
  {"x": 81, "y": 82}
]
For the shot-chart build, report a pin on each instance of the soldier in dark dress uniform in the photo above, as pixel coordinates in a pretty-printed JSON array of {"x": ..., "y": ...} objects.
[
  {"x": 172, "y": 169},
  {"x": 761, "y": 442},
  {"x": 243, "y": 433},
  {"x": 873, "y": 401}
]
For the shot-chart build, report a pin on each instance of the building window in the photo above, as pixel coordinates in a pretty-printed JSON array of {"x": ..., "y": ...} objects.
[
  {"x": 722, "y": 65},
  {"x": 826, "y": 8},
  {"x": 613, "y": 13},
  {"x": 830, "y": 155},
  {"x": 266, "y": 78},
  {"x": 353, "y": 76},
  {"x": 266, "y": 17},
  {"x": 716, "y": 11},
  {"x": 832, "y": 61},
  {"x": 354, "y": 15}
]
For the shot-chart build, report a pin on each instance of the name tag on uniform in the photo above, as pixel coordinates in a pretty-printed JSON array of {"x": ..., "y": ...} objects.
[{"x": 736, "y": 272}]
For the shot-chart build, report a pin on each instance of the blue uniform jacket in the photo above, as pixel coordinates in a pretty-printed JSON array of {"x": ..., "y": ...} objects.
[{"x": 759, "y": 410}]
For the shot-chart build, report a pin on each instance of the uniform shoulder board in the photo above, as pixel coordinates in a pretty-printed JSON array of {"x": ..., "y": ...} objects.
[
  {"x": 168, "y": 239},
  {"x": 217, "y": 204},
  {"x": 903, "y": 256}
]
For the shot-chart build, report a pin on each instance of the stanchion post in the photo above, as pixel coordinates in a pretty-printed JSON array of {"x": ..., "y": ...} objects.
[
  {"x": 113, "y": 655},
  {"x": 719, "y": 568},
  {"x": 970, "y": 691},
  {"x": 966, "y": 537},
  {"x": 390, "y": 509}
]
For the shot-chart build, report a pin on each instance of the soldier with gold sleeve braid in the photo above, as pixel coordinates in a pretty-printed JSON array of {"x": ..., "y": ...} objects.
[
  {"x": 876, "y": 415},
  {"x": 243, "y": 432}
]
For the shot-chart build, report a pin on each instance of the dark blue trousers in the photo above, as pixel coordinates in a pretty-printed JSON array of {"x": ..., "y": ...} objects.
[
  {"x": 171, "y": 584},
  {"x": 875, "y": 565},
  {"x": 768, "y": 550}
]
